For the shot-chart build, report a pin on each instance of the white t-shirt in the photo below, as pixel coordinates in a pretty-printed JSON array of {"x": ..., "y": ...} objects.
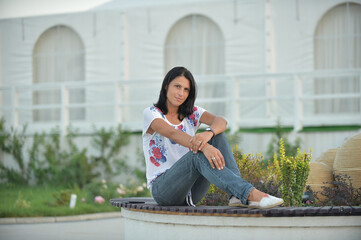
[{"x": 160, "y": 152}]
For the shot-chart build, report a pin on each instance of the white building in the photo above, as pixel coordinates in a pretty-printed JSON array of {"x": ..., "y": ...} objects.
[{"x": 255, "y": 62}]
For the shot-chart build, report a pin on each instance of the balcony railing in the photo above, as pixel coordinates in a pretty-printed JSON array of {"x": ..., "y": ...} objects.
[{"x": 246, "y": 100}]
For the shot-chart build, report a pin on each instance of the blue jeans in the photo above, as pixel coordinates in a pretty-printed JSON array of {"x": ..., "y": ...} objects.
[{"x": 194, "y": 172}]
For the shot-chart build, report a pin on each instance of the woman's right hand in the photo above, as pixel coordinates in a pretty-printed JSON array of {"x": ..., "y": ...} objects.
[{"x": 214, "y": 156}]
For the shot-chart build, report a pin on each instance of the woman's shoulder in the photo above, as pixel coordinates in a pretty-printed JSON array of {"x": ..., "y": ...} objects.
[
  {"x": 198, "y": 109},
  {"x": 153, "y": 110},
  {"x": 194, "y": 117}
]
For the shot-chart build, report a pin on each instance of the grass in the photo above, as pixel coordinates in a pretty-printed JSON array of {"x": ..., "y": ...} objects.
[{"x": 24, "y": 201}]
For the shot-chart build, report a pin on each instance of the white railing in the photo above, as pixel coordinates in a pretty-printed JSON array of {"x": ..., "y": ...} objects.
[{"x": 253, "y": 100}]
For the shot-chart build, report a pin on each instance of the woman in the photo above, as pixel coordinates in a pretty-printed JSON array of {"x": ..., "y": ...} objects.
[{"x": 181, "y": 164}]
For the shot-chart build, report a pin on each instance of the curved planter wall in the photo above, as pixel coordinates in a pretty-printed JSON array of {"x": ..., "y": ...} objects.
[
  {"x": 148, "y": 221},
  {"x": 148, "y": 225}
]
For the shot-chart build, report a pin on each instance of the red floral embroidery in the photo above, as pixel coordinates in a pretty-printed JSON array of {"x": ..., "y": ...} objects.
[
  {"x": 152, "y": 160},
  {"x": 192, "y": 118},
  {"x": 157, "y": 154},
  {"x": 152, "y": 142}
]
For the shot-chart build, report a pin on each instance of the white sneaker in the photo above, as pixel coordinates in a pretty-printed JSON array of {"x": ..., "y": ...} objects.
[{"x": 267, "y": 201}]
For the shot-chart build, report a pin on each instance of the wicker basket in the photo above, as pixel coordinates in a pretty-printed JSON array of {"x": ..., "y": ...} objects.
[
  {"x": 320, "y": 175},
  {"x": 328, "y": 157},
  {"x": 348, "y": 160}
]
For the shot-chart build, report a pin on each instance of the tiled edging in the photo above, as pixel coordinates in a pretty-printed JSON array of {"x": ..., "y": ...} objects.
[{"x": 148, "y": 205}]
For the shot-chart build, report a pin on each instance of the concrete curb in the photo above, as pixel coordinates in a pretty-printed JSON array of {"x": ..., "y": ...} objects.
[{"x": 83, "y": 217}]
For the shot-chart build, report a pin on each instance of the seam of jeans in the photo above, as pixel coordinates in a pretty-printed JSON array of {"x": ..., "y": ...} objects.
[
  {"x": 244, "y": 198},
  {"x": 209, "y": 167}
]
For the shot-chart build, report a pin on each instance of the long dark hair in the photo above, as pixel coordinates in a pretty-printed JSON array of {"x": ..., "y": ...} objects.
[{"x": 186, "y": 108}]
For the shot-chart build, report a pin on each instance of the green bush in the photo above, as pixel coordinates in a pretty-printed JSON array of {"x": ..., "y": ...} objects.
[
  {"x": 294, "y": 174},
  {"x": 12, "y": 142},
  {"x": 255, "y": 171},
  {"x": 62, "y": 198},
  {"x": 274, "y": 144},
  {"x": 62, "y": 164},
  {"x": 285, "y": 178},
  {"x": 215, "y": 197},
  {"x": 340, "y": 193}
]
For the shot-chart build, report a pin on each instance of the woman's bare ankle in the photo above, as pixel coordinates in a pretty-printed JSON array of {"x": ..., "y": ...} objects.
[{"x": 256, "y": 195}]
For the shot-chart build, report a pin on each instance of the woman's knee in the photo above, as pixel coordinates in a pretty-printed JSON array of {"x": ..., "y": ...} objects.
[
  {"x": 220, "y": 140},
  {"x": 220, "y": 137}
]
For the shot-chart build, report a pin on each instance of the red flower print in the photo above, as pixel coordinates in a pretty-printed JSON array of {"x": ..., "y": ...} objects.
[
  {"x": 194, "y": 109},
  {"x": 157, "y": 154},
  {"x": 152, "y": 142},
  {"x": 152, "y": 160},
  {"x": 180, "y": 127}
]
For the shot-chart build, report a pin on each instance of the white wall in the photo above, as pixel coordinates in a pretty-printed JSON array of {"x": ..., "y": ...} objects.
[{"x": 129, "y": 44}]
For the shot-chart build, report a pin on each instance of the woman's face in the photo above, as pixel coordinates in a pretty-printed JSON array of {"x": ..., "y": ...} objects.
[{"x": 178, "y": 91}]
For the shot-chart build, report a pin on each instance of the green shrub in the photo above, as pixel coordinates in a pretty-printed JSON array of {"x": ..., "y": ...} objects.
[
  {"x": 57, "y": 165},
  {"x": 342, "y": 193},
  {"x": 274, "y": 144},
  {"x": 54, "y": 163},
  {"x": 252, "y": 169},
  {"x": 294, "y": 174},
  {"x": 215, "y": 197},
  {"x": 264, "y": 177},
  {"x": 109, "y": 143},
  {"x": 285, "y": 178},
  {"x": 12, "y": 142},
  {"x": 62, "y": 198}
]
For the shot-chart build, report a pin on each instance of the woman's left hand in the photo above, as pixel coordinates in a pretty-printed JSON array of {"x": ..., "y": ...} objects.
[{"x": 200, "y": 140}]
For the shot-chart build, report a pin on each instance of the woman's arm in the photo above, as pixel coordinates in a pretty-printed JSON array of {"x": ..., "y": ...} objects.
[
  {"x": 200, "y": 141},
  {"x": 182, "y": 138},
  {"x": 160, "y": 126},
  {"x": 217, "y": 124}
]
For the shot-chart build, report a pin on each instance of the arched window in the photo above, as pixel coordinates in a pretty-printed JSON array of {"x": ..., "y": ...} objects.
[
  {"x": 338, "y": 46},
  {"x": 196, "y": 42},
  {"x": 58, "y": 56}
]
